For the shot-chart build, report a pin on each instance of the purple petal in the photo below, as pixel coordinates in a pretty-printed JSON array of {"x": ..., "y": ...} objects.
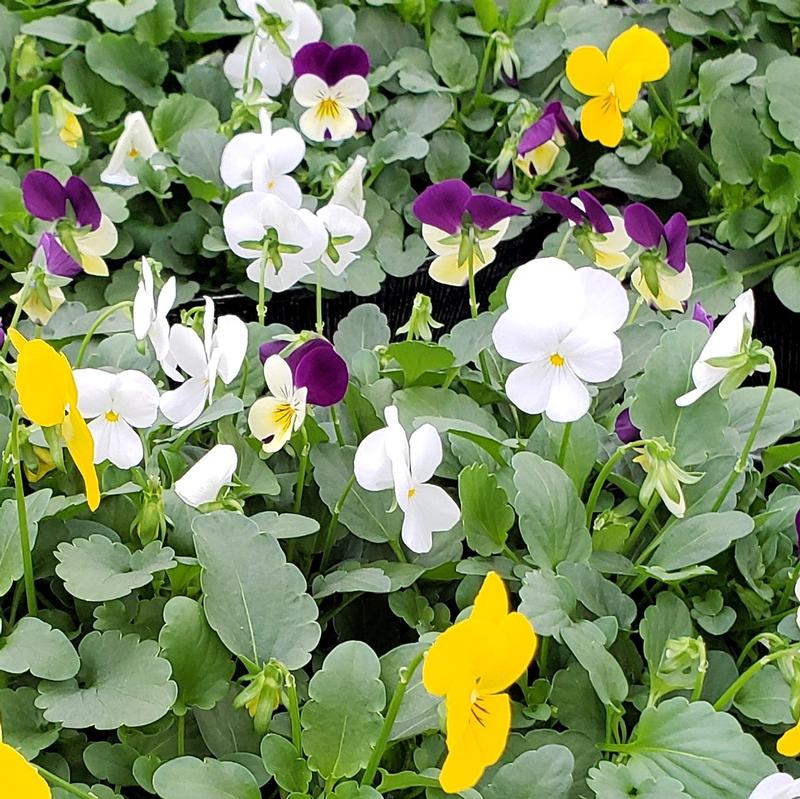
[
  {"x": 676, "y": 232},
  {"x": 700, "y": 314},
  {"x": 59, "y": 261},
  {"x": 349, "y": 59},
  {"x": 797, "y": 532},
  {"x": 322, "y": 371},
  {"x": 625, "y": 429},
  {"x": 274, "y": 347},
  {"x": 363, "y": 123},
  {"x": 44, "y": 196},
  {"x": 510, "y": 80},
  {"x": 2, "y": 334},
  {"x": 595, "y": 213},
  {"x": 504, "y": 182},
  {"x": 643, "y": 226},
  {"x": 537, "y": 134},
  {"x": 443, "y": 204},
  {"x": 87, "y": 211},
  {"x": 561, "y": 205},
  {"x": 555, "y": 109},
  {"x": 312, "y": 59},
  {"x": 486, "y": 211}
]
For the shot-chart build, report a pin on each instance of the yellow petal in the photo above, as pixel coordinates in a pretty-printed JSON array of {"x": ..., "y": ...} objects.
[
  {"x": 508, "y": 646},
  {"x": 544, "y": 156},
  {"x": 642, "y": 47},
  {"x": 601, "y": 121},
  {"x": 44, "y": 381},
  {"x": 491, "y": 603},
  {"x": 608, "y": 259},
  {"x": 71, "y": 133},
  {"x": 94, "y": 265},
  {"x": 271, "y": 421},
  {"x": 20, "y": 780},
  {"x": 80, "y": 444},
  {"x": 588, "y": 71},
  {"x": 44, "y": 465},
  {"x": 789, "y": 742},
  {"x": 447, "y": 269},
  {"x": 450, "y": 659},
  {"x": 627, "y": 84}
]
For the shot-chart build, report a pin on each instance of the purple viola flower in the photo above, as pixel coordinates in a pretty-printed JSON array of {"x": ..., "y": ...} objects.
[
  {"x": 45, "y": 198},
  {"x": 700, "y": 314},
  {"x": 553, "y": 121},
  {"x": 445, "y": 204},
  {"x": 625, "y": 429},
  {"x": 504, "y": 182},
  {"x": 645, "y": 228},
  {"x": 592, "y": 212},
  {"x": 315, "y": 366}
]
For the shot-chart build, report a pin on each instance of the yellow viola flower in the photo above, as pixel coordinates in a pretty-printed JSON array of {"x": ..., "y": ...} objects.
[
  {"x": 614, "y": 80},
  {"x": 789, "y": 742},
  {"x": 20, "y": 778},
  {"x": 49, "y": 397},
  {"x": 471, "y": 665},
  {"x": 71, "y": 132}
]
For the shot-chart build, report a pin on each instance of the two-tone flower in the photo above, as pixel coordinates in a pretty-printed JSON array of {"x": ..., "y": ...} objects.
[
  {"x": 331, "y": 83},
  {"x": 135, "y": 141},
  {"x": 274, "y": 419},
  {"x": 541, "y": 143},
  {"x": 613, "y": 80},
  {"x": 462, "y": 228}
]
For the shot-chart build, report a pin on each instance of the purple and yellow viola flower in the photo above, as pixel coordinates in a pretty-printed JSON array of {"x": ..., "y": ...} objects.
[
  {"x": 83, "y": 233},
  {"x": 462, "y": 227},
  {"x": 541, "y": 143},
  {"x": 331, "y": 83}
]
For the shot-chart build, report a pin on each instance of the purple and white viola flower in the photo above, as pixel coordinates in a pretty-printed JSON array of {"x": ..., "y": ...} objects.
[
  {"x": 279, "y": 241},
  {"x": 462, "y": 227},
  {"x": 600, "y": 236},
  {"x": 150, "y": 317},
  {"x": 83, "y": 234},
  {"x": 264, "y": 161},
  {"x": 331, "y": 83},
  {"x": 136, "y": 141},
  {"x": 315, "y": 366},
  {"x": 663, "y": 277},
  {"x": 541, "y": 143},
  {"x": 275, "y": 418},
  {"x": 700, "y": 314}
]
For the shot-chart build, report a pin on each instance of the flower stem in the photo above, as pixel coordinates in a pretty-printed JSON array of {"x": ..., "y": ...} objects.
[
  {"x": 337, "y": 509},
  {"x": 294, "y": 713},
  {"x": 337, "y": 427},
  {"x": 391, "y": 714},
  {"x": 36, "y": 133},
  {"x": 741, "y": 463},
  {"x": 23, "y": 298},
  {"x": 22, "y": 517},
  {"x": 320, "y": 326},
  {"x": 562, "y": 451},
  {"x": 473, "y": 296},
  {"x": 602, "y": 476},
  {"x": 639, "y": 528},
  {"x": 96, "y": 325},
  {"x": 301, "y": 471},
  {"x": 706, "y": 220},
  {"x": 733, "y": 689},
  {"x": 564, "y": 241},
  {"x": 57, "y": 782},
  {"x": 181, "y": 746},
  {"x": 262, "y": 271},
  {"x": 487, "y": 55}
]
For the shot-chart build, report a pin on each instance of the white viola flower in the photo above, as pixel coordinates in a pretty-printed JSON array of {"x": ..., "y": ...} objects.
[
  {"x": 274, "y": 419},
  {"x": 387, "y": 458},
  {"x": 136, "y": 141},
  {"x": 728, "y": 339},
  {"x": 264, "y": 160},
  {"x": 202, "y": 483},
  {"x": 267, "y": 64},
  {"x": 777, "y": 786},
  {"x": 150, "y": 317},
  {"x": 117, "y": 405},
  {"x": 348, "y": 231},
  {"x": 561, "y": 325},
  {"x": 218, "y": 355},
  {"x": 286, "y": 23},
  {"x": 279, "y": 241},
  {"x": 349, "y": 189}
]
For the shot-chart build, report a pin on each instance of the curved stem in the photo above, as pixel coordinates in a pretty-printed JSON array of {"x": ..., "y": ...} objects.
[
  {"x": 320, "y": 325},
  {"x": 23, "y": 298},
  {"x": 337, "y": 427},
  {"x": 640, "y": 526},
  {"x": 602, "y": 476},
  {"x": 730, "y": 694},
  {"x": 36, "y": 133},
  {"x": 487, "y": 54},
  {"x": 96, "y": 325},
  {"x": 181, "y": 745},
  {"x": 22, "y": 517},
  {"x": 57, "y": 782},
  {"x": 564, "y": 241}
]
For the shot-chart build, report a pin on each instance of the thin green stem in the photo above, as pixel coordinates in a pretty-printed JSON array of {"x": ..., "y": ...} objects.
[
  {"x": 768, "y": 264},
  {"x": 733, "y": 689},
  {"x": 707, "y": 220},
  {"x": 473, "y": 296},
  {"x": 542, "y": 659},
  {"x": 602, "y": 476},
  {"x": 562, "y": 451},
  {"x": 301, "y": 471},
  {"x": 337, "y": 427},
  {"x": 487, "y": 55},
  {"x": 294, "y": 713},
  {"x": 741, "y": 463},
  {"x": 96, "y": 325},
  {"x": 550, "y": 88},
  {"x": 564, "y": 241},
  {"x": 640, "y": 527},
  {"x": 36, "y": 127},
  {"x": 262, "y": 270},
  {"x": 22, "y": 517},
  {"x": 181, "y": 729},
  {"x": 23, "y": 298},
  {"x": 327, "y": 544},
  {"x": 57, "y": 782},
  {"x": 320, "y": 325},
  {"x": 391, "y": 715}
]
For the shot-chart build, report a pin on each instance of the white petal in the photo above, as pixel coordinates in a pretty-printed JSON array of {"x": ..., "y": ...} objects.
[
  {"x": 312, "y": 124},
  {"x": 230, "y": 339},
  {"x": 617, "y": 240},
  {"x": 343, "y": 126},
  {"x": 307, "y": 27},
  {"x": 242, "y": 220},
  {"x": 136, "y": 135},
  {"x": 349, "y": 189},
  {"x": 351, "y": 91},
  {"x": 425, "y": 449},
  {"x": 94, "y": 391},
  {"x": 135, "y": 398},
  {"x": 236, "y": 165},
  {"x": 184, "y": 404},
  {"x": 372, "y": 467},
  {"x": 528, "y": 386},
  {"x": 144, "y": 310},
  {"x": 272, "y": 420},
  {"x": 569, "y": 399},
  {"x": 434, "y": 237},
  {"x": 187, "y": 349},
  {"x": 438, "y": 507},
  {"x": 309, "y": 89},
  {"x": 416, "y": 533},
  {"x": 606, "y": 302},
  {"x": 116, "y": 442},
  {"x": 777, "y": 786},
  {"x": 166, "y": 298},
  {"x": 98, "y": 242},
  {"x": 518, "y": 337},
  {"x": 203, "y": 482},
  {"x": 290, "y": 273},
  {"x": 548, "y": 291},
  {"x": 594, "y": 355},
  {"x": 285, "y": 151},
  {"x": 278, "y": 377}
]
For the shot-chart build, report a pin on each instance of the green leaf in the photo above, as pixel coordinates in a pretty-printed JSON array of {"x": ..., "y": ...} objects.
[
  {"x": 486, "y": 515},
  {"x": 715, "y": 286},
  {"x": 786, "y": 284},
  {"x": 96, "y": 569},
  {"x": 418, "y": 357},
  {"x": 704, "y": 750},
  {"x": 283, "y": 762},
  {"x": 766, "y": 697},
  {"x": 551, "y": 516},
  {"x": 24, "y": 726},
  {"x": 398, "y": 145},
  {"x": 648, "y": 179},
  {"x": 205, "y": 20},
  {"x": 780, "y": 182},
  {"x": 699, "y": 538},
  {"x": 487, "y": 14},
  {"x": 364, "y": 328},
  {"x": 414, "y": 113},
  {"x": 342, "y": 718},
  {"x": 60, "y": 28},
  {"x": 587, "y": 642},
  {"x": 157, "y": 26},
  {"x": 382, "y": 33},
  {"x": 617, "y": 781},
  {"x": 179, "y": 113},
  {"x": 449, "y": 155},
  {"x": 453, "y": 61},
  {"x": 538, "y": 48},
  {"x": 668, "y": 618},
  {"x": 782, "y": 78},
  {"x": 717, "y": 74},
  {"x": 11, "y": 568},
  {"x": 35, "y": 646},
  {"x": 111, "y": 762},
  {"x": 549, "y": 601},
  {"x": 186, "y": 640},
  {"x": 255, "y": 617},
  {"x": 120, "y": 15},
  {"x": 122, "y": 61},
  {"x": 581, "y": 451},
  {"x": 190, "y": 778},
  {"x": 122, "y": 681},
  {"x": 782, "y": 417},
  {"x": 200, "y": 153},
  {"x": 545, "y": 772},
  {"x": 737, "y": 143}
]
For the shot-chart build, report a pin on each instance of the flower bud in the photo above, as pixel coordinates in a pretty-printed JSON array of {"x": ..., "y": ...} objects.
[{"x": 421, "y": 320}]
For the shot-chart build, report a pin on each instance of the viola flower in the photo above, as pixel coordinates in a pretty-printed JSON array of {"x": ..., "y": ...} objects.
[
  {"x": 730, "y": 338},
  {"x": 71, "y": 132},
  {"x": 136, "y": 141},
  {"x": 20, "y": 778},
  {"x": 614, "y": 80},
  {"x": 663, "y": 476},
  {"x": 349, "y": 189},
  {"x": 461, "y": 226},
  {"x": 279, "y": 241},
  {"x": 267, "y": 65},
  {"x": 472, "y": 664},
  {"x": 315, "y": 366},
  {"x": 274, "y": 419},
  {"x": 506, "y": 60},
  {"x": 285, "y": 24},
  {"x": 600, "y": 236},
  {"x": 117, "y": 404},
  {"x": 777, "y": 786},
  {"x": 331, "y": 82},
  {"x": 561, "y": 325},
  {"x": 789, "y": 742},
  {"x": 700, "y": 314},
  {"x": 35, "y": 307},
  {"x": 625, "y": 429},
  {"x": 540, "y": 144},
  {"x": 150, "y": 317},
  {"x": 83, "y": 233},
  {"x": 48, "y": 395},
  {"x": 264, "y": 161},
  {"x": 218, "y": 355},
  {"x": 202, "y": 483},
  {"x": 387, "y": 458}
]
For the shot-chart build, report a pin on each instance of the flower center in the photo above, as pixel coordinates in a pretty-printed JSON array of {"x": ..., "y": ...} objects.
[
  {"x": 271, "y": 185},
  {"x": 112, "y": 416},
  {"x": 411, "y": 492},
  {"x": 133, "y": 152},
  {"x": 556, "y": 359},
  {"x": 328, "y": 107},
  {"x": 282, "y": 416}
]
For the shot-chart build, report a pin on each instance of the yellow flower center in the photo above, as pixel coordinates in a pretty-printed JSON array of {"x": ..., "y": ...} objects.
[
  {"x": 328, "y": 108},
  {"x": 411, "y": 492},
  {"x": 283, "y": 416},
  {"x": 271, "y": 185},
  {"x": 556, "y": 359},
  {"x": 133, "y": 152},
  {"x": 112, "y": 416}
]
